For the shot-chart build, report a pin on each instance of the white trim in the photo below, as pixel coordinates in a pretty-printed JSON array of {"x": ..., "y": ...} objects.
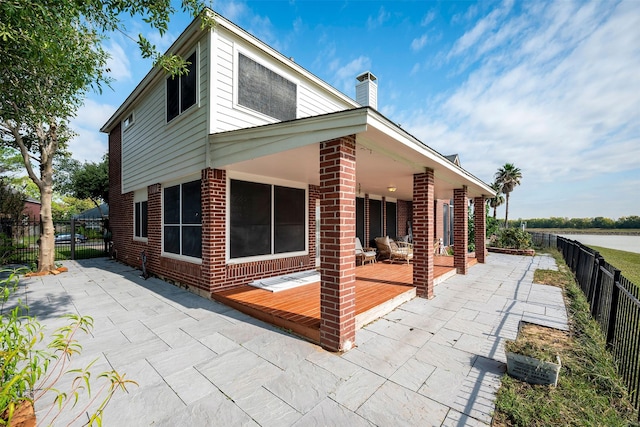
[
  {"x": 140, "y": 196},
  {"x": 183, "y": 180},
  {"x": 239, "y": 176},
  {"x": 196, "y": 105},
  {"x": 236, "y": 81}
]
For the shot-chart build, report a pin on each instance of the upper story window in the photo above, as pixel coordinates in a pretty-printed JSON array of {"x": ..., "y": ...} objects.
[
  {"x": 181, "y": 90},
  {"x": 265, "y": 91},
  {"x": 128, "y": 121}
]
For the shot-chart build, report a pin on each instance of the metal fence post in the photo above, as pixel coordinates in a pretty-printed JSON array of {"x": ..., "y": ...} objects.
[
  {"x": 613, "y": 312},
  {"x": 73, "y": 238}
]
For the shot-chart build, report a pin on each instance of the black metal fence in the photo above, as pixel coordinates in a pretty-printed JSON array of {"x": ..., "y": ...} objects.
[
  {"x": 75, "y": 239},
  {"x": 614, "y": 302}
]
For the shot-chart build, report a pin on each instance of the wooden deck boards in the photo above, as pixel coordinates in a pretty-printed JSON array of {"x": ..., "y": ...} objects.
[{"x": 298, "y": 309}]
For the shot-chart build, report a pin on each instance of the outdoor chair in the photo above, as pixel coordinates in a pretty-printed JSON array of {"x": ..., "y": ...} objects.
[
  {"x": 394, "y": 250},
  {"x": 364, "y": 254}
]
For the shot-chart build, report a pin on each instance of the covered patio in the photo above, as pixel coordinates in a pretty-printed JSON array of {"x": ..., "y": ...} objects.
[
  {"x": 335, "y": 159},
  {"x": 379, "y": 289}
]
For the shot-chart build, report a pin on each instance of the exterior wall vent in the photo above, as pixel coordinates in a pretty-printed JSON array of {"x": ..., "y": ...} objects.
[{"x": 367, "y": 90}]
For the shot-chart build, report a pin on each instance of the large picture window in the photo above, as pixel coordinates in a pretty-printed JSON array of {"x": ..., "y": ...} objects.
[
  {"x": 182, "y": 228},
  {"x": 266, "y": 219},
  {"x": 265, "y": 91},
  {"x": 181, "y": 90}
]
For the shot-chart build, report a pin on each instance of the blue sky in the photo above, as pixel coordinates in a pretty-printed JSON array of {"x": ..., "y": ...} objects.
[{"x": 552, "y": 87}]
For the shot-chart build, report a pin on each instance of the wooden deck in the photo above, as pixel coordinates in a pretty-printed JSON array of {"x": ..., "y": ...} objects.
[{"x": 380, "y": 287}]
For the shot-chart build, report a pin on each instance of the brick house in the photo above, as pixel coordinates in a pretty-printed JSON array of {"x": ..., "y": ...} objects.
[{"x": 251, "y": 167}]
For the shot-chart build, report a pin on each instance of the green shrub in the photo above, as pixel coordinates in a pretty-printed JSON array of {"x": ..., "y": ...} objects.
[
  {"x": 512, "y": 238},
  {"x": 27, "y": 374}
]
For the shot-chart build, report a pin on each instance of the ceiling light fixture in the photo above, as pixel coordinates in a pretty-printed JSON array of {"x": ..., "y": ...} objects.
[{"x": 391, "y": 189}]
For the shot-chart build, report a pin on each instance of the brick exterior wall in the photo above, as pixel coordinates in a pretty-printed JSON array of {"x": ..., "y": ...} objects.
[
  {"x": 367, "y": 237},
  {"x": 213, "y": 274},
  {"x": 480, "y": 224},
  {"x": 423, "y": 189},
  {"x": 460, "y": 229},
  {"x": 338, "y": 228}
]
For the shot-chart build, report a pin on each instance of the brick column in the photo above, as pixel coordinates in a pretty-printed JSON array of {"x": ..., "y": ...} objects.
[
  {"x": 154, "y": 227},
  {"x": 337, "y": 243},
  {"x": 423, "y": 189},
  {"x": 214, "y": 201},
  {"x": 460, "y": 229},
  {"x": 480, "y": 224}
]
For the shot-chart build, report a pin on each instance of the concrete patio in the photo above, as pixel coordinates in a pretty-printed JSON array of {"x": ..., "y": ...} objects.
[{"x": 429, "y": 362}]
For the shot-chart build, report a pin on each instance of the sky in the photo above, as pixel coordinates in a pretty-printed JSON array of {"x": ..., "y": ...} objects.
[{"x": 552, "y": 87}]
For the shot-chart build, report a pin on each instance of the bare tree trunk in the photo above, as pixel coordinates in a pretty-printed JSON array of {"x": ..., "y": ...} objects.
[
  {"x": 495, "y": 209},
  {"x": 506, "y": 212},
  {"x": 46, "y": 243}
]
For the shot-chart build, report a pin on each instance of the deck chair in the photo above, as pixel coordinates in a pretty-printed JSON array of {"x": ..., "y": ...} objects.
[
  {"x": 364, "y": 254},
  {"x": 394, "y": 250}
]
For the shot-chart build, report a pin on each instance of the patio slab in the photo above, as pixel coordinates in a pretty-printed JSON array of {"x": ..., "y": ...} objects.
[{"x": 198, "y": 362}]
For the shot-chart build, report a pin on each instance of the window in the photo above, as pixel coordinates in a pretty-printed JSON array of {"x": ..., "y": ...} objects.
[
  {"x": 265, "y": 91},
  {"x": 181, "y": 90},
  {"x": 128, "y": 121},
  {"x": 266, "y": 219},
  {"x": 182, "y": 228},
  {"x": 140, "y": 219}
]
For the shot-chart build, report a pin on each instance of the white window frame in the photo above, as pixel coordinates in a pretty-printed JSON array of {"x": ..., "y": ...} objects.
[
  {"x": 172, "y": 255},
  {"x": 273, "y": 182},
  {"x": 196, "y": 50},
  {"x": 128, "y": 121},
  {"x": 138, "y": 197},
  {"x": 236, "y": 81}
]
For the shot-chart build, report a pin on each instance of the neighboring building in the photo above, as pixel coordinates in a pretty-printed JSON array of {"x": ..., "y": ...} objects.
[
  {"x": 251, "y": 167},
  {"x": 32, "y": 209}
]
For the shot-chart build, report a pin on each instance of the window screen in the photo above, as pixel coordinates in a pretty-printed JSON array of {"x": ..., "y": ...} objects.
[
  {"x": 289, "y": 212},
  {"x": 265, "y": 91},
  {"x": 182, "y": 217},
  {"x": 255, "y": 231},
  {"x": 250, "y": 219},
  {"x": 182, "y": 90},
  {"x": 392, "y": 225},
  {"x": 140, "y": 219}
]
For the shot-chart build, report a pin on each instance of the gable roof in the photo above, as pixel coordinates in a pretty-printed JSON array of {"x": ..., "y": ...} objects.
[{"x": 194, "y": 30}]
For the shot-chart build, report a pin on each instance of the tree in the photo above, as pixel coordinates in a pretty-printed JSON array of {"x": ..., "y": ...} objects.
[
  {"x": 51, "y": 56},
  {"x": 11, "y": 201},
  {"x": 91, "y": 181},
  {"x": 507, "y": 178},
  {"x": 497, "y": 200}
]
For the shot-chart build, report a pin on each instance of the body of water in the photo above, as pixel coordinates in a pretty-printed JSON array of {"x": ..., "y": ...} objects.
[{"x": 623, "y": 243}]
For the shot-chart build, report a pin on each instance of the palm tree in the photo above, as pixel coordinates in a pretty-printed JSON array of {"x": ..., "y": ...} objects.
[
  {"x": 508, "y": 177},
  {"x": 497, "y": 200}
]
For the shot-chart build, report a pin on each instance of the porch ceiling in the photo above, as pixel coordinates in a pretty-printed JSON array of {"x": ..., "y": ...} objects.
[{"x": 386, "y": 156}]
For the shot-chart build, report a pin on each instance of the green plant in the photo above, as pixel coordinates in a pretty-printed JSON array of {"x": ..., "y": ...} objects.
[
  {"x": 513, "y": 238},
  {"x": 27, "y": 373}
]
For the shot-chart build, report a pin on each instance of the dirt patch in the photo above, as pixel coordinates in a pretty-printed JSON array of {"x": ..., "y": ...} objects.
[{"x": 541, "y": 342}]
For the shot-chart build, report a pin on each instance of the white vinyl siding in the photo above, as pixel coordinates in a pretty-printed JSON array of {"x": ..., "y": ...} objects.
[
  {"x": 156, "y": 151},
  {"x": 227, "y": 115}
]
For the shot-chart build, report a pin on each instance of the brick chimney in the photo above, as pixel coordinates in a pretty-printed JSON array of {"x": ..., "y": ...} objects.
[{"x": 367, "y": 90}]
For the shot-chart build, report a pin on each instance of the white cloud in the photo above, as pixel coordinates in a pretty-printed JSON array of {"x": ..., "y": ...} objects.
[
  {"x": 556, "y": 91},
  {"x": 379, "y": 20},
  {"x": 481, "y": 28},
  {"x": 428, "y": 18},
  {"x": 118, "y": 62},
  {"x": 345, "y": 75},
  {"x": 419, "y": 43},
  {"x": 89, "y": 144}
]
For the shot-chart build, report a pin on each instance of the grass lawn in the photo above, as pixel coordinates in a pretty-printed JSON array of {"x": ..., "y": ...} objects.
[
  {"x": 631, "y": 231},
  {"x": 589, "y": 391},
  {"x": 627, "y": 262}
]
